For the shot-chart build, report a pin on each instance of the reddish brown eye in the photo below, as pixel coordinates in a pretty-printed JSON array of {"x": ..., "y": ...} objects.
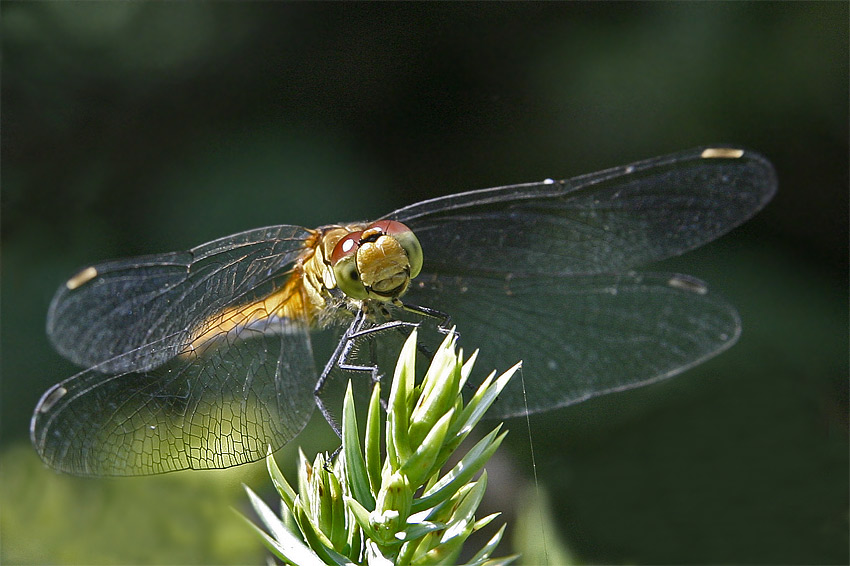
[
  {"x": 344, "y": 264},
  {"x": 346, "y": 247},
  {"x": 390, "y": 227}
]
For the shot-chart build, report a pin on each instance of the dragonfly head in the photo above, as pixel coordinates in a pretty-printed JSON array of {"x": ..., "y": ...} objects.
[{"x": 377, "y": 262}]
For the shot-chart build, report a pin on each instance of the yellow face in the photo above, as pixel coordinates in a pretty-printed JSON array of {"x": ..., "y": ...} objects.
[{"x": 377, "y": 262}]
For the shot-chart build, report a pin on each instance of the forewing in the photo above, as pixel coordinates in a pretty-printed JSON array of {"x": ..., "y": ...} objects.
[
  {"x": 608, "y": 221},
  {"x": 582, "y": 336},
  {"x": 217, "y": 406},
  {"x": 149, "y": 307}
]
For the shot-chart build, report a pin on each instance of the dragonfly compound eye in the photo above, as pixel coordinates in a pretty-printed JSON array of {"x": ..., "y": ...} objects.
[{"x": 344, "y": 263}]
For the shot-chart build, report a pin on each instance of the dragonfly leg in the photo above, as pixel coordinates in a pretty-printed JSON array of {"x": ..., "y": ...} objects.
[
  {"x": 444, "y": 320},
  {"x": 444, "y": 326},
  {"x": 373, "y": 370},
  {"x": 344, "y": 341},
  {"x": 339, "y": 359}
]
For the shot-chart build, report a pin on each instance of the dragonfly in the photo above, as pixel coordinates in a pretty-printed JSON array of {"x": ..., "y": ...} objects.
[{"x": 203, "y": 359}]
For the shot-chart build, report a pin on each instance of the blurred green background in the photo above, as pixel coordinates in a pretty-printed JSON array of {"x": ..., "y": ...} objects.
[{"x": 132, "y": 128}]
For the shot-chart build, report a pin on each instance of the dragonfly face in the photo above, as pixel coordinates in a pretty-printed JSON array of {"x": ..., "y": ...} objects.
[
  {"x": 202, "y": 359},
  {"x": 377, "y": 262}
]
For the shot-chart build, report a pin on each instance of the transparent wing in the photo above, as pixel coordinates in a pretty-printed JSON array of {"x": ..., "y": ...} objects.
[
  {"x": 608, "y": 221},
  {"x": 118, "y": 307},
  {"x": 214, "y": 407},
  {"x": 582, "y": 336}
]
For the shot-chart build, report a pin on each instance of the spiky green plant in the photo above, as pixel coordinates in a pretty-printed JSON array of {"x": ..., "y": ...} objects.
[{"x": 403, "y": 509}]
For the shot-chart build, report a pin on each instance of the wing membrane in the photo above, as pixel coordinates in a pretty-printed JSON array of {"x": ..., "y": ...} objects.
[
  {"x": 148, "y": 307},
  {"x": 582, "y": 336},
  {"x": 192, "y": 370},
  {"x": 608, "y": 221},
  {"x": 217, "y": 407}
]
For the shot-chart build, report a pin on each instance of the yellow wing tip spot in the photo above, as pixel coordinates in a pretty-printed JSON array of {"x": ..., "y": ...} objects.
[
  {"x": 722, "y": 153},
  {"x": 50, "y": 399},
  {"x": 688, "y": 284},
  {"x": 81, "y": 278}
]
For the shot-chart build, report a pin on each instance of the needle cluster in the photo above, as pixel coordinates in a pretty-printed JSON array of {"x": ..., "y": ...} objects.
[{"x": 400, "y": 509}]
